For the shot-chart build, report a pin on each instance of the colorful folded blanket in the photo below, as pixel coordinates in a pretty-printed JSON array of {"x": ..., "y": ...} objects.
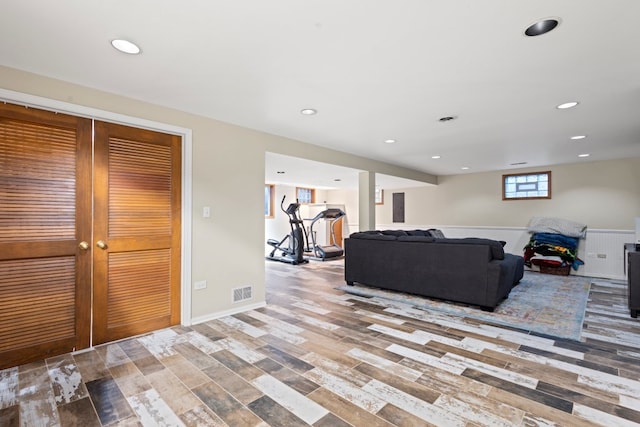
[{"x": 570, "y": 243}]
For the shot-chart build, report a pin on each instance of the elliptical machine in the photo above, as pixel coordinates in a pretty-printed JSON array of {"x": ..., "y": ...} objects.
[{"x": 292, "y": 245}]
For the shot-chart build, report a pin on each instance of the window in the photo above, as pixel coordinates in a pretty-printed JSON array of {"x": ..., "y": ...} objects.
[
  {"x": 305, "y": 195},
  {"x": 379, "y": 195},
  {"x": 534, "y": 185},
  {"x": 269, "y": 196}
]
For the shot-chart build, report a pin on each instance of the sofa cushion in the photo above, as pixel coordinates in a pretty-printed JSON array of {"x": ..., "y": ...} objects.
[
  {"x": 418, "y": 233},
  {"x": 497, "y": 252},
  {"x": 368, "y": 235},
  {"x": 425, "y": 239},
  {"x": 394, "y": 233}
]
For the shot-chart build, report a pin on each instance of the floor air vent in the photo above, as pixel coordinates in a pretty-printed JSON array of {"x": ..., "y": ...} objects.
[{"x": 242, "y": 294}]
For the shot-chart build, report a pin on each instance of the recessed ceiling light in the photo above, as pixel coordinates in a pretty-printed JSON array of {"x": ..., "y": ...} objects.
[
  {"x": 308, "y": 111},
  {"x": 465, "y": 168},
  {"x": 389, "y": 141},
  {"x": 435, "y": 157},
  {"x": 567, "y": 105},
  {"x": 584, "y": 155},
  {"x": 125, "y": 46},
  {"x": 542, "y": 27},
  {"x": 337, "y": 180},
  {"x": 576, "y": 137}
]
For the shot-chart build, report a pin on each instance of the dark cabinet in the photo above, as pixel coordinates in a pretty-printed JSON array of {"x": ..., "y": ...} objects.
[{"x": 633, "y": 267}]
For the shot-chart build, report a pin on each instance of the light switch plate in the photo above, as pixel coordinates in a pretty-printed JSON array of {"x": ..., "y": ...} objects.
[
  {"x": 200, "y": 285},
  {"x": 206, "y": 212}
]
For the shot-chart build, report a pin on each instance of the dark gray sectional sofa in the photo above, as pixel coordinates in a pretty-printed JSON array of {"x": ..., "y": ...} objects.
[{"x": 470, "y": 270}]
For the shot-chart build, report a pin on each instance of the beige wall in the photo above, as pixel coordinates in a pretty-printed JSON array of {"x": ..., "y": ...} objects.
[
  {"x": 228, "y": 175},
  {"x": 601, "y": 194},
  {"x": 228, "y": 161}
]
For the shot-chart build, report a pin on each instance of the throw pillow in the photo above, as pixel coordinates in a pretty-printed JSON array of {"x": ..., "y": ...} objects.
[{"x": 438, "y": 234}]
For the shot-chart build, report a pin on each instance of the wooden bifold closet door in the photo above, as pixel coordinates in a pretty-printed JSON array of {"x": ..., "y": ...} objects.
[
  {"x": 71, "y": 227},
  {"x": 45, "y": 212},
  {"x": 136, "y": 231}
]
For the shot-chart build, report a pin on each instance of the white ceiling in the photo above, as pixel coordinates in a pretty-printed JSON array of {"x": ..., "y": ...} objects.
[
  {"x": 280, "y": 169},
  {"x": 373, "y": 69}
]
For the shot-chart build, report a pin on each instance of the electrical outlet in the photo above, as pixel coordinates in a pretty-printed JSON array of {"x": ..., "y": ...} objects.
[{"x": 200, "y": 285}]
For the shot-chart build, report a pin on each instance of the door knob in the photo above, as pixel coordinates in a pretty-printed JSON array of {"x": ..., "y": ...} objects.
[
  {"x": 101, "y": 244},
  {"x": 83, "y": 245}
]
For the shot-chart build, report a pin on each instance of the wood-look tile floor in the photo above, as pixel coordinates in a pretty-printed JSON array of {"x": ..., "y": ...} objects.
[{"x": 315, "y": 356}]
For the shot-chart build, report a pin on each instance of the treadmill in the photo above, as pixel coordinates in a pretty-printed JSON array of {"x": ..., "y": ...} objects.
[{"x": 330, "y": 251}]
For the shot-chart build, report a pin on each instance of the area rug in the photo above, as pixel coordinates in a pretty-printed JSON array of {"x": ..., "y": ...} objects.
[{"x": 545, "y": 304}]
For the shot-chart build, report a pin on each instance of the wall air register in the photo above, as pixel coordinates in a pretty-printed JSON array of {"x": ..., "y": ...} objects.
[{"x": 242, "y": 294}]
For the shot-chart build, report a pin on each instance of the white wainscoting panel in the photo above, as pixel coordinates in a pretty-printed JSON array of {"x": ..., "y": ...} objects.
[{"x": 604, "y": 253}]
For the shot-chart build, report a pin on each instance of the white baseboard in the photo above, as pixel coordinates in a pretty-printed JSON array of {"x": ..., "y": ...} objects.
[{"x": 217, "y": 315}]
